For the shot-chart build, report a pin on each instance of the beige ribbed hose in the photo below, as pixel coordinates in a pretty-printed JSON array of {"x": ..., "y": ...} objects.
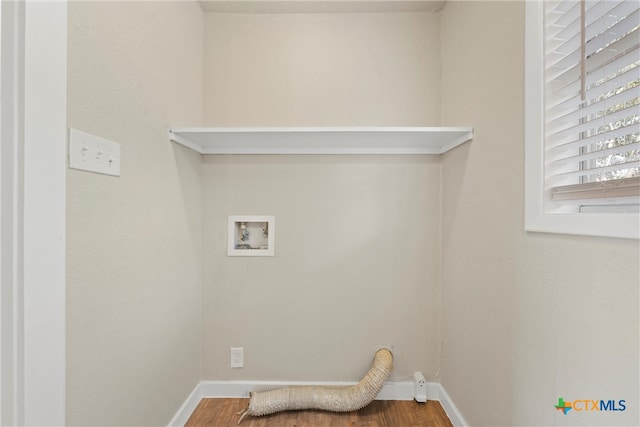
[{"x": 341, "y": 399}]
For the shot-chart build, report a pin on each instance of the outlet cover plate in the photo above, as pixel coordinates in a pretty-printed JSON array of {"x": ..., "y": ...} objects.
[{"x": 237, "y": 357}]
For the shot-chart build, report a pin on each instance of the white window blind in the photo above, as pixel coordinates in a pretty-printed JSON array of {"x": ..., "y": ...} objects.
[{"x": 592, "y": 103}]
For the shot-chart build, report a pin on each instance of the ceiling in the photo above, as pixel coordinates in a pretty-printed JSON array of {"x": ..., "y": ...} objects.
[{"x": 322, "y": 6}]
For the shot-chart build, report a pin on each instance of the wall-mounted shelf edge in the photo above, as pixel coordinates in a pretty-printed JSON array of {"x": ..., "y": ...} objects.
[{"x": 322, "y": 140}]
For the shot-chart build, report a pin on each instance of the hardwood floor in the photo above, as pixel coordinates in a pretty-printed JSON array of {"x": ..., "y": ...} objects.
[{"x": 380, "y": 413}]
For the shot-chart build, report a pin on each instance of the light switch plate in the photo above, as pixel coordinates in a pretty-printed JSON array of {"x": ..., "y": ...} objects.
[{"x": 93, "y": 154}]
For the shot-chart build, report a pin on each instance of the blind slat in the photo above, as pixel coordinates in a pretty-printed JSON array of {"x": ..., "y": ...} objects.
[
  {"x": 599, "y": 31},
  {"x": 575, "y": 112},
  {"x": 567, "y": 11},
  {"x": 613, "y": 51},
  {"x": 607, "y": 34},
  {"x": 597, "y": 154},
  {"x": 562, "y": 14},
  {"x": 572, "y": 91},
  {"x": 571, "y": 76},
  {"x": 594, "y": 11},
  {"x": 607, "y": 121},
  {"x": 628, "y": 187},
  {"x": 560, "y": 177},
  {"x": 583, "y": 142},
  {"x": 603, "y": 57},
  {"x": 569, "y": 53}
]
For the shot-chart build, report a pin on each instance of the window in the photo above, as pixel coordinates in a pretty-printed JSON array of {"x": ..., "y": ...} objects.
[{"x": 583, "y": 117}]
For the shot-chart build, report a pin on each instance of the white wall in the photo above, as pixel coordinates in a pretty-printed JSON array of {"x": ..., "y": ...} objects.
[
  {"x": 322, "y": 69},
  {"x": 526, "y": 318},
  {"x": 356, "y": 266},
  {"x": 357, "y": 237},
  {"x": 135, "y": 241}
]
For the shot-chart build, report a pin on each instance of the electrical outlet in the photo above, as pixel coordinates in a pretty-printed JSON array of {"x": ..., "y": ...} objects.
[{"x": 237, "y": 357}]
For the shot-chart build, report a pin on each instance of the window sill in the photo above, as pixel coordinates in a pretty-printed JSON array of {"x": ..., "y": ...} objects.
[{"x": 625, "y": 226}]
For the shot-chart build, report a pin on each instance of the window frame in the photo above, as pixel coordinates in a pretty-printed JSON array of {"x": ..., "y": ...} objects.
[{"x": 538, "y": 215}]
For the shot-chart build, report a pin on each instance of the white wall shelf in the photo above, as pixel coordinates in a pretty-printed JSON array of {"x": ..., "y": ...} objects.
[{"x": 322, "y": 140}]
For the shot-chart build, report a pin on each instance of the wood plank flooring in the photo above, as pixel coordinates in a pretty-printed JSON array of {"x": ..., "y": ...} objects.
[{"x": 380, "y": 413}]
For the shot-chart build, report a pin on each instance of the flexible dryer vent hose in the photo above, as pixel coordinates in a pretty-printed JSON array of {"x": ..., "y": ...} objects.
[{"x": 339, "y": 399}]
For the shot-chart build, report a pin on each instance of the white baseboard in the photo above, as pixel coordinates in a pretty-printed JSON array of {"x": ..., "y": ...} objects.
[
  {"x": 187, "y": 408},
  {"x": 450, "y": 408},
  {"x": 391, "y": 391}
]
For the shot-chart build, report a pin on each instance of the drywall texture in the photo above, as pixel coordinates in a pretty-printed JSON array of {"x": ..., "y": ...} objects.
[
  {"x": 134, "y": 242},
  {"x": 526, "y": 318},
  {"x": 357, "y": 237},
  {"x": 356, "y": 266},
  {"x": 322, "y": 69}
]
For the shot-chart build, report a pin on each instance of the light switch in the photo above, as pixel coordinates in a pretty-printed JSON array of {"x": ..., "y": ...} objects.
[{"x": 93, "y": 154}]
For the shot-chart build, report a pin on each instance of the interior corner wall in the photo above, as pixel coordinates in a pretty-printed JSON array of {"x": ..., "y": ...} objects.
[
  {"x": 527, "y": 318},
  {"x": 134, "y": 242},
  {"x": 356, "y": 262}
]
